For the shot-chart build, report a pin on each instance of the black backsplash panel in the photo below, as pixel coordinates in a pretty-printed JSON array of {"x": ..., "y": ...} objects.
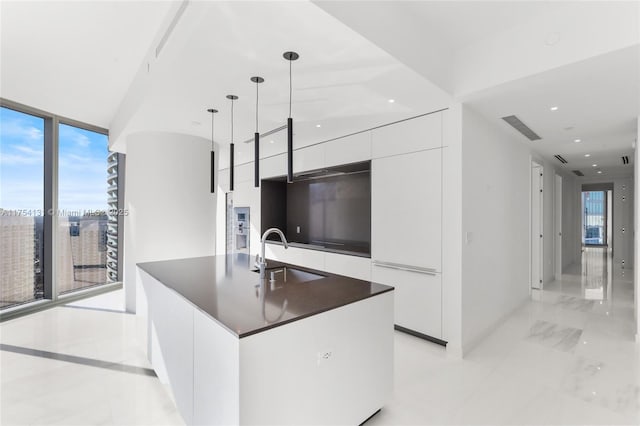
[
  {"x": 332, "y": 210},
  {"x": 273, "y": 199}
]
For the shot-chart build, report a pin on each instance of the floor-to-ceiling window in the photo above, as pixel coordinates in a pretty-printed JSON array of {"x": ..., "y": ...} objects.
[
  {"x": 21, "y": 207},
  {"x": 59, "y": 206},
  {"x": 594, "y": 219},
  {"x": 82, "y": 209}
]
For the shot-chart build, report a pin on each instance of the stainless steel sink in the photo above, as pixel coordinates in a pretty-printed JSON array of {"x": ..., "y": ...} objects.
[{"x": 290, "y": 275}]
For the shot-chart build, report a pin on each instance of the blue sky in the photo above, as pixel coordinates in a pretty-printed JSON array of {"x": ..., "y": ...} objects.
[{"x": 82, "y": 165}]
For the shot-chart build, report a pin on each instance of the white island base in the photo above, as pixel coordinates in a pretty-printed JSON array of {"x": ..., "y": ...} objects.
[{"x": 335, "y": 367}]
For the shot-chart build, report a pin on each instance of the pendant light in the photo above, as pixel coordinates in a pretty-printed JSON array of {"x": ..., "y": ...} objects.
[
  {"x": 256, "y": 139},
  {"x": 290, "y": 56},
  {"x": 231, "y": 147},
  {"x": 213, "y": 154}
]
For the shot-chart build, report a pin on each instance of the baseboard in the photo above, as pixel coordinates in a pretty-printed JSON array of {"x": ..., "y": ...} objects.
[{"x": 420, "y": 335}]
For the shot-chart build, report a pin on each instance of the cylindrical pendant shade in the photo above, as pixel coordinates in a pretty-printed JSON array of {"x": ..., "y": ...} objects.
[
  {"x": 231, "y": 168},
  {"x": 256, "y": 161},
  {"x": 213, "y": 172},
  {"x": 289, "y": 150}
]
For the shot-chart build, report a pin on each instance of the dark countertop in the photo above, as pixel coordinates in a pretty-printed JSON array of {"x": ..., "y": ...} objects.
[{"x": 226, "y": 289}]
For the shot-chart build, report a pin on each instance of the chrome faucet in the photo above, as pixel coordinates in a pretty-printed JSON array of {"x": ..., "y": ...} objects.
[{"x": 261, "y": 262}]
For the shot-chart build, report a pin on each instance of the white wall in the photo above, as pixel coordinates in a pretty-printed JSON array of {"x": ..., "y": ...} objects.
[
  {"x": 452, "y": 230},
  {"x": 571, "y": 228},
  {"x": 167, "y": 193},
  {"x": 495, "y": 225},
  {"x": 636, "y": 275}
]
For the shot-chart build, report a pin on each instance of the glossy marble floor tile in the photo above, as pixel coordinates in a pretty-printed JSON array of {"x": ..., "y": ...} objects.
[{"x": 567, "y": 357}]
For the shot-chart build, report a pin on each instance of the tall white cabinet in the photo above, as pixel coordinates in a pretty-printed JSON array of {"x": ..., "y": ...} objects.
[{"x": 406, "y": 220}]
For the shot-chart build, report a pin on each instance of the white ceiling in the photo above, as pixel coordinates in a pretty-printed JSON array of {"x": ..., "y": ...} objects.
[
  {"x": 86, "y": 60},
  {"x": 341, "y": 81},
  {"x": 522, "y": 57},
  {"x": 597, "y": 102},
  {"x": 74, "y": 58}
]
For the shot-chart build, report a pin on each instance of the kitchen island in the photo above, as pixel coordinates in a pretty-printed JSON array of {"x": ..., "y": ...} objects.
[{"x": 300, "y": 347}]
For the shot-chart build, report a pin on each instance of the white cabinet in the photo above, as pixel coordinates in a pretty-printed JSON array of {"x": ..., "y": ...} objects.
[
  {"x": 309, "y": 158},
  {"x": 273, "y": 166},
  {"x": 350, "y": 266},
  {"x": 406, "y": 209},
  {"x": 407, "y": 136},
  {"x": 350, "y": 149},
  {"x": 243, "y": 173},
  {"x": 417, "y": 300},
  {"x": 171, "y": 341},
  {"x": 313, "y": 259}
]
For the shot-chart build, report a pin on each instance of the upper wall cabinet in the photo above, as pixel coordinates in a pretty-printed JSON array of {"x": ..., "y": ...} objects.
[
  {"x": 407, "y": 136},
  {"x": 273, "y": 166},
  {"x": 350, "y": 149},
  {"x": 308, "y": 158},
  {"x": 243, "y": 173}
]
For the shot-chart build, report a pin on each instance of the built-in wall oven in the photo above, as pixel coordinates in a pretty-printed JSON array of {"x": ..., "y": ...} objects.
[{"x": 241, "y": 230}]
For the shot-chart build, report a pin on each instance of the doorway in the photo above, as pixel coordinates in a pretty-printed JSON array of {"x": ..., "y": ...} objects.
[
  {"x": 596, "y": 213},
  {"x": 537, "y": 241}
]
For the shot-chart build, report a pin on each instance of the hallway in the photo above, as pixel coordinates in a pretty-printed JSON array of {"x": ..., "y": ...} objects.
[{"x": 566, "y": 358}]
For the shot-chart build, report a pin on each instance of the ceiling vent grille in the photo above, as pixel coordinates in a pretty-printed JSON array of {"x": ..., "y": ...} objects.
[
  {"x": 517, "y": 124},
  {"x": 578, "y": 173},
  {"x": 560, "y": 158},
  {"x": 625, "y": 159}
]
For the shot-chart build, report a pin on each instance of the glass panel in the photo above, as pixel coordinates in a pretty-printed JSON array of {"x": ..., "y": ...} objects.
[
  {"x": 83, "y": 205},
  {"x": 21, "y": 207},
  {"x": 594, "y": 217}
]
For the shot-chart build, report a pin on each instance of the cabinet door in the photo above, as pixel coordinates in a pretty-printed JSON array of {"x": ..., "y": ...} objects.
[
  {"x": 406, "y": 209},
  {"x": 243, "y": 173},
  {"x": 309, "y": 158},
  {"x": 350, "y": 266},
  {"x": 350, "y": 149},
  {"x": 417, "y": 299},
  {"x": 273, "y": 166},
  {"x": 407, "y": 136},
  {"x": 313, "y": 259}
]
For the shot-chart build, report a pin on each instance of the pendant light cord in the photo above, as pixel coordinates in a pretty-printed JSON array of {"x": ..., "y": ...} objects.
[
  {"x": 232, "y": 120},
  {"x": 212, "y": 115}
]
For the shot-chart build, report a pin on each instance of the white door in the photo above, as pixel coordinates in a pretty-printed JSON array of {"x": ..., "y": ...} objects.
[
  {"x": 536, "y": 226},
  {"x": 558, "y": 227}
]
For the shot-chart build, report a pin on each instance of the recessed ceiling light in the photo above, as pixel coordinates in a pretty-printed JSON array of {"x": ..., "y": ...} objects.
[
  {"x": 587, "y": 155},
  {"x": 600, "y": 172},
  {"x": 270, "y": 141},
  {"x": 391, "y": 101},
  {"x": 577, "y": 140},
  {"x": 318, "y": 125},
  {"x": 554, "y": 108},
  {"x": 594, "y": 165}
]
